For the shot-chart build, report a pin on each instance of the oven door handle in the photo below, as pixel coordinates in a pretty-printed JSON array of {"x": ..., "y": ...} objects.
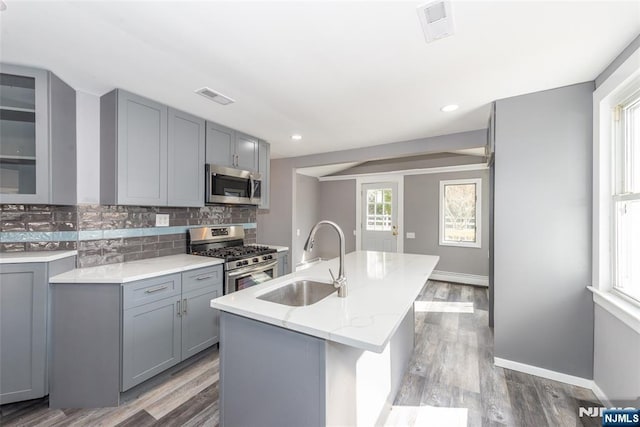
[{"x": 252, "y": 269}]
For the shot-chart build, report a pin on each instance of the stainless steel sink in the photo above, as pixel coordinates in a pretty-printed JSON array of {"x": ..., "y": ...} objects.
[{"x": 299, "y": 293}]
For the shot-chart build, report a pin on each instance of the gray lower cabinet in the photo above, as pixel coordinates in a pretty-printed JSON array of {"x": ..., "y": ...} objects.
[
  {"x": 110, "y": 337},
  {"x": 150, "y": 328},
  {"x": 283, "y": 263},
  {"x": 37, "y": 137},
  {"x": 23, "y": 328},
  {"x": 150, "y": 154}
]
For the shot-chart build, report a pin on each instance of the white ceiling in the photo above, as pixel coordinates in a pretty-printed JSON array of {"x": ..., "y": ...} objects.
[{"x": 343, "y": 74}]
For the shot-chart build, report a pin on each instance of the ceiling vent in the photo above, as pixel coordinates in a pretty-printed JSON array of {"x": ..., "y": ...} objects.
[
  {"x": 436, "y": 20},
  {"x": 215, "y": 96}
]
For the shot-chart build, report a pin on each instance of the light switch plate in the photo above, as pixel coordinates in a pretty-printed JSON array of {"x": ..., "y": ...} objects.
[
  {"x": 162, "y": 220},
  {"x": 298, "y": 232},
  {"x": 411, "y": 235}
]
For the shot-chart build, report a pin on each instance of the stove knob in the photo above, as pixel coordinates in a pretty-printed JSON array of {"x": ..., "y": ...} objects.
[
  {"x": 264, "y": 258},
  {"x": 245, "y": 262},
  {"x": 239, "y": 264},
  {"x": 270, "y": 256},
  {"x": 256, "y": 259}
]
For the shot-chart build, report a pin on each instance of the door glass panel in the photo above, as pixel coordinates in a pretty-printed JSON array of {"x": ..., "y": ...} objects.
[
  {"x": 379, "y": 210},
  {"x": 17, "y": 134}
]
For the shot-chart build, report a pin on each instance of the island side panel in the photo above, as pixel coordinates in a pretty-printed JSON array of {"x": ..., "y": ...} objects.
[
  {"x": 362, "y": 385},
  {"x": 85, "y": 346},
  {"x": 269, "y": 376}
]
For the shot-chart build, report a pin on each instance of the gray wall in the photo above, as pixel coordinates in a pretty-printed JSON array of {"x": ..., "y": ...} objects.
[
  {"x": 543, "y": 311},
  {"x": 421, "y": 213},
  {"x": 414, "y": 162},
  {"x": 615, "y": 367},
  {"x": 275, "y": 224},
  {"x": 306, "y": 213},
  {"x": 337, "y": 204}
]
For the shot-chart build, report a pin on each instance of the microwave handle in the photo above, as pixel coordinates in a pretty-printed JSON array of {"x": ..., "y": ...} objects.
[{"x": 253, "y": 188}]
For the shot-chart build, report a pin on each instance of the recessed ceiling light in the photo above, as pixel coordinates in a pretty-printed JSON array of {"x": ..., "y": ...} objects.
[
  {"x": 296, "y": 137},
  {"x": 449, "y": 108}
]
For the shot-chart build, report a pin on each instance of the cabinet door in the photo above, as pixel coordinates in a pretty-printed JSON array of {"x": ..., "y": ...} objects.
[
  {"x": 264, "y": 156},
  {"x": 186, "y": 159},
  {"x": 283, "y": 263},
  {"x": 246, "y": 152},
  {"x": 150, "y": 340},
  {"x": 142, "y": 151},
  {"x": 220, "y": 145},
  {"x": 23, "y": 308},
  {"x": 200, "y": 322},
  {"x": 24, "y": 135}
]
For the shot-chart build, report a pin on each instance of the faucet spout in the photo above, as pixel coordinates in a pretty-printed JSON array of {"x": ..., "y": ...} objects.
[{"x": 339, "y": 282}]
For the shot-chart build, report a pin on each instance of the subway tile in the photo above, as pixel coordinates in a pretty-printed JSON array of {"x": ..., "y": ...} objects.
[
  {"x": 39, "y": 226},
  {"x": 12, "y": 247},
  {"x": 169, "y": 251},
  {"x": 141, "y": 255},
  {"x": 12, "y": 225},
  {"x": 42, "y": 246},
  {"x": 130, "y": 249},
  {"x": 112, "y": 258}
]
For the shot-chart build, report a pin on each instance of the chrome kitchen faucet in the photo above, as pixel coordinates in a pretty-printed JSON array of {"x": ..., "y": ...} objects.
[{"x": 341, "y": 281}]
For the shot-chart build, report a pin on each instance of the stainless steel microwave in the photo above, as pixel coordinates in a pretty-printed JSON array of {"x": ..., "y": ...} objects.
[{"x": 228, "y": 185}]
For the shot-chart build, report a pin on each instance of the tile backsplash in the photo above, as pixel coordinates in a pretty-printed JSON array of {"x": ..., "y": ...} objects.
[{"x": 110, "y": 234}]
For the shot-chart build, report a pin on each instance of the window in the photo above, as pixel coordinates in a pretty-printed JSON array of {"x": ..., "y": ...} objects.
[
  {"x": 379, "y": 209},
  {"x": 626, "y": 198},
  {"x": 460, "y": 212}
]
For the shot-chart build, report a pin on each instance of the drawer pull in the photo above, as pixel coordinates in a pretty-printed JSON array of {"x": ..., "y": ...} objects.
[
  {"x": 178, "y": 311},
  {"x": 159, "y": 288},
  {"x": 204, "y": 277}
]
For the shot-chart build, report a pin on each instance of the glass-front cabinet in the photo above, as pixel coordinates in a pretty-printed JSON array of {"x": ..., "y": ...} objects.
[
  {"x": 23, "y": 108},
  {"x": 37, "y": 144}
]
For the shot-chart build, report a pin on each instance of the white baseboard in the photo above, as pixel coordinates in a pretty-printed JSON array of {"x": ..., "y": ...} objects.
[
  {"x": 468, "y": 279},
  {"x": 546, "y": 373},
  {"x": 601, "y": 395}
]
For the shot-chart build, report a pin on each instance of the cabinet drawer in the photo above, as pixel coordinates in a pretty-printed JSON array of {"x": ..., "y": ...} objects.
[
  {"x": 201, "y": 278},
  {"x": 149, "y": 290}
]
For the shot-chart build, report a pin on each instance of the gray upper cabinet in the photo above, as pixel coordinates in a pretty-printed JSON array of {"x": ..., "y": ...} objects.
[
  {"x": 37, "y": 137},
  {"x": 246, "y": 152},
  {"x": 220, "y": 145},
  {"x": 264, "y": 157},
  {"x": 150, "y": 155},
  {"x": 230, "y": 148},
  {"x": 186, "y": 159}
]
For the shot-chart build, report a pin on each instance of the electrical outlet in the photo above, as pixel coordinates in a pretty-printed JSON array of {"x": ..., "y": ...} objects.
[
  {"x": 162, "y": 220},
  {"x": 298, "y": 232},
  {"x": 411, "y": 235},
  {"x": 354, "y": 232}
]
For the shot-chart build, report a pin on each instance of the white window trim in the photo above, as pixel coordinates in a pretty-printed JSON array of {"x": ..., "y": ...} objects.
[
  {"x": 605, "y": 97},
  {"x": 478, "y": 242}
]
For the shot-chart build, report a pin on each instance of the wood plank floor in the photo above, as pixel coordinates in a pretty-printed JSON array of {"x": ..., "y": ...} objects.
[{"x": 451, "y": 381}]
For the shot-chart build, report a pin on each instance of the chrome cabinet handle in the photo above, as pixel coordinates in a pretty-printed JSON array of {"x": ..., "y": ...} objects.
[
  {"x": 179, "y": 312},
  {"x": 184, "y": 306},
  {"x": 204, "y": 277},
  {"x": 159, "y": 288}
]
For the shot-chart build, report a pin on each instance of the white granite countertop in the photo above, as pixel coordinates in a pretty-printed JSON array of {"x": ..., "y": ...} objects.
[
  {"x": 381, "y": 289},
  {"x": 36, "y": 256},
  {"x": 136, "y": 270}
]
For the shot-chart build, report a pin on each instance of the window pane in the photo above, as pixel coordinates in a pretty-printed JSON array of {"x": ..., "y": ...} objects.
[
  {"x": 632, "y": 139},
  {"x": 459, "y": 213},
  {"x": 628, "y": 247}
]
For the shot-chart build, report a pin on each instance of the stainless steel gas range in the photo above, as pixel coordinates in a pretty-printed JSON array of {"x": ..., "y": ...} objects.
[{"x": 245, "y": 265}]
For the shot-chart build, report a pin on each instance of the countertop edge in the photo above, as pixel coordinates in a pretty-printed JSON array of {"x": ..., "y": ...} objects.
[
  {"x": 73, "y": 277},
  {"x": 42, "y": 256}
]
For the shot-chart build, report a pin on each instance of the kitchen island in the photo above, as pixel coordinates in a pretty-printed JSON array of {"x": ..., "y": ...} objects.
[{"x": 339, "y": 361}]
